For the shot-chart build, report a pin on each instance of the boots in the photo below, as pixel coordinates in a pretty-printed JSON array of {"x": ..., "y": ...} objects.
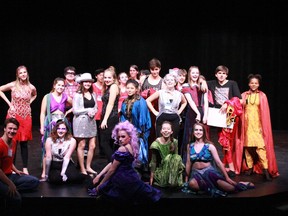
[{"x": 266, "y": 175}]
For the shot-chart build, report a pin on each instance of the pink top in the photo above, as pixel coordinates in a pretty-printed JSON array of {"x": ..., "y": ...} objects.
[{"x": 54, "y": 105}]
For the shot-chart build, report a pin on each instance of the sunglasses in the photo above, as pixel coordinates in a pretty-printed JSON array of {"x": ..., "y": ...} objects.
[{"x": 72, "y": 73}]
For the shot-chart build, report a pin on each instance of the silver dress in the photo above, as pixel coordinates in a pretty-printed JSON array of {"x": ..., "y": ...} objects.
[{"x": 84, "y": 126}]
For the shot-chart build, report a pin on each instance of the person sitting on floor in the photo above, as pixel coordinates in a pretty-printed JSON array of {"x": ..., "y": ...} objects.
[
  {"x": 59, "y": 148},
  {"x": 166, "y": 166},
  {"x": 201, "y": 175},
  {"x": 12, "y": 181},
  {"x": 119, "y": 181}
]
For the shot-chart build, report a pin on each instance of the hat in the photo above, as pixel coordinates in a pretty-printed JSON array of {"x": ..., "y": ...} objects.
[{"x": 84, "y": 77}]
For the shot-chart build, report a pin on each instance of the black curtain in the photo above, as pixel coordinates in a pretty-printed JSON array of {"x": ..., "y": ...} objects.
[{"x": 247, "y": 38}]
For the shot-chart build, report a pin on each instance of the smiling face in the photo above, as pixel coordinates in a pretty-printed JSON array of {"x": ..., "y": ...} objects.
[
  {"x": 100, "y": 77},
  {"x": 123, "y": 77},
  {"x": 194, "y": 74},
  {"x": 61, "y": 130},
  {"x": 254, "y": 84},
  {"x": 166, "y": 130},
  {"x": 70, "y": 75},
  {"x": 131, "y": 89},
  {"x": 108, "y": 77},
  {"x": 11, "y": 130},
  {"x": 170, "y": 81},
  {"x": 198, "y": 131},
  {"x": 86, "y": 85},
  {"x": 59, "y": 86},
  {"x": 22, "y": 73}
]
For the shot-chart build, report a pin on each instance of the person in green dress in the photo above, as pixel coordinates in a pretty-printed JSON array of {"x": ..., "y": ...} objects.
[{"x": 166, "y": 166}]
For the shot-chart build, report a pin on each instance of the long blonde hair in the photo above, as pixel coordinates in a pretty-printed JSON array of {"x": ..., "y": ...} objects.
[
  {"x": 114, "y": 75},
  {"x": 17, "y": 81}
]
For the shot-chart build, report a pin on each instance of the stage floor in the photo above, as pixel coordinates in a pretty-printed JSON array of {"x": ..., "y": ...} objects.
[{"x": 266, "y": 198}]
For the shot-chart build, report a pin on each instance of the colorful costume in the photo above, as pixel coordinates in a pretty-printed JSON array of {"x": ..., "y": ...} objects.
[
  {"x": 227, "y": 136},
  {"x": 84, "y": 126},
  {"x": 21, "y": 110},
  {"x": 263, "y": 121},
  {"x": 167, "y": 167},
  {"x": 139, "y": 116},
  {"x": 51, "y": 119},
  {"x": 125, "y": 184},
  {"x": 58, "y": 151},
  {"x": 196, "y": 95},
  {"x": 207, "y": 178}
]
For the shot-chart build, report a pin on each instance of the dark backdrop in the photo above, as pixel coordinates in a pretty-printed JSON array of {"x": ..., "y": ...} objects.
[{"x": 246, "y": 36}]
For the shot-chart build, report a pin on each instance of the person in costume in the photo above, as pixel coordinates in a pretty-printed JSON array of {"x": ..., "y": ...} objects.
[
  {"x": 134, "y": 109},
  {"x": 166, "y": 166},
  {"x": 205, "y": 171},
  {"x": 23, "y": 93},
  {"x": 150, "y": 84},
  {"x": 109, "y": 115},
  {"x": 84, "y": 123},
  {"x": 256, "y": 132},
  {"x": 53, "y": 108},
  {"x": 59, "y": 147},
  {"x": 119, "y": 181},
  {"x": 171, "y": 104},
  {"x": 197, "y": 108},
  {"x": 222, "y": 91}
]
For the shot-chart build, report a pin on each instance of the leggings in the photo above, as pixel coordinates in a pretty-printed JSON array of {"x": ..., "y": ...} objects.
[{"x": 24, "y": 153}]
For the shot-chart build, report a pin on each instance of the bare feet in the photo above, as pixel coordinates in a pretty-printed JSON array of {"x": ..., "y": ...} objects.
[
  {"x": 91, "y": 171},
  {"x": 25, "y": 170}
]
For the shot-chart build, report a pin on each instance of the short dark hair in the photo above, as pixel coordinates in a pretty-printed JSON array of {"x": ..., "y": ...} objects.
[
  {"x": 11, "y": 120},
  {"x": 98, "y": 71},
  {"x": 69, "y": 68},
  {"x": 145, "y": 72}
]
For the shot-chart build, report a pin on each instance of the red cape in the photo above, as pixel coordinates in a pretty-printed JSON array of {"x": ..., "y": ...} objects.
[{"x": 267, "y": 135}]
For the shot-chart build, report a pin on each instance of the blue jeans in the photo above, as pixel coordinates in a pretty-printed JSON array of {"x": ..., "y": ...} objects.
[{"x": 23, "y": 183}]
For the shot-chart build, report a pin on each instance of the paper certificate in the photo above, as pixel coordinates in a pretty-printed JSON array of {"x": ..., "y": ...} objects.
[{"x": 217, "y": 119}]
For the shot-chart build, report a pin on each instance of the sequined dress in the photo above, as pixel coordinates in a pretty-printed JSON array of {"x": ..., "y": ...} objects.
[{"x": 21, "y": 110}]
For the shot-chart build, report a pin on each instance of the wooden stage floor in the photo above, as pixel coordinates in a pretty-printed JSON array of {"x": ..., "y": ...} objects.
[{"x": 267, "y": 198}]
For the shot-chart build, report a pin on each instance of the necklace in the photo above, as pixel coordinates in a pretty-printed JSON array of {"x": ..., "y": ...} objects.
[
  {"x": 250, "y": 99},
  {"x": 60, "y": 140}
]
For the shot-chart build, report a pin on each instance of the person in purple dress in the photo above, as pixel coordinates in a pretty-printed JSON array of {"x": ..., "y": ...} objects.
[
  {"x": 119, "y": 181},
  {"x": 53, "y": 108}
]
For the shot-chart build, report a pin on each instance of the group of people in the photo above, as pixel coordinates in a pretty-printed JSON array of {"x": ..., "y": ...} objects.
[{"x": 136, "y": 122}]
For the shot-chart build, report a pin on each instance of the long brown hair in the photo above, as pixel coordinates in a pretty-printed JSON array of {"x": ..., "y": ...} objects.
[
  {"x": 54, "y": 135},
  {"x": 205, "y": 138}
]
